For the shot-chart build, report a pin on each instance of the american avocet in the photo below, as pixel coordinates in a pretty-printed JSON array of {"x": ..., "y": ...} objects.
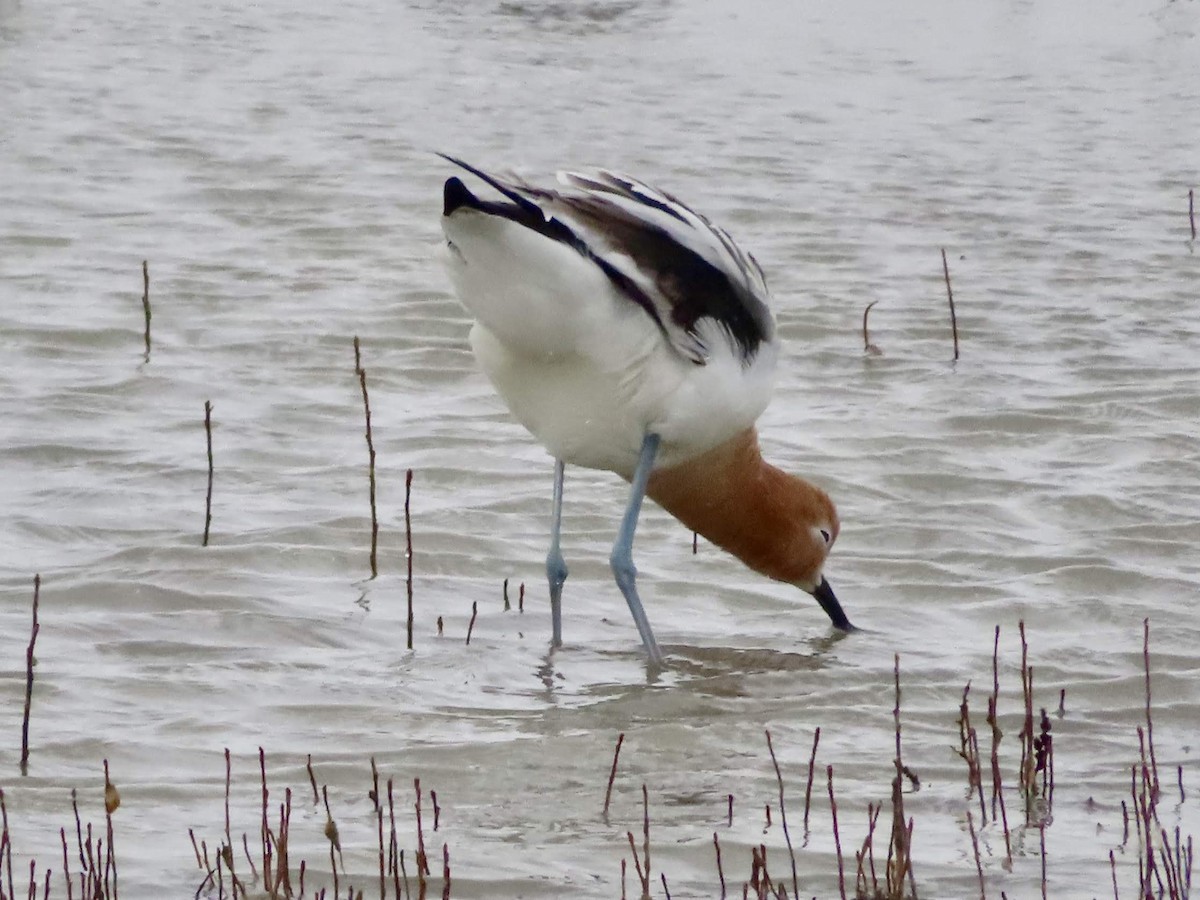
[{"x": 629, "y": 333}]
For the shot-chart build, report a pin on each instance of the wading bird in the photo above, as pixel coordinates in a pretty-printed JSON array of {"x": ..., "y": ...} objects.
[{"x": 629, "y": 333}]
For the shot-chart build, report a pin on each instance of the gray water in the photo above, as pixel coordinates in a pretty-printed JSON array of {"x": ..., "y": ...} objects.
[{"x": 274, "y": 165}]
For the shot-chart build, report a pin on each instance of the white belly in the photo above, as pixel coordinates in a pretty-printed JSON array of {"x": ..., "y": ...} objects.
[{"x": 592, "y": 407}]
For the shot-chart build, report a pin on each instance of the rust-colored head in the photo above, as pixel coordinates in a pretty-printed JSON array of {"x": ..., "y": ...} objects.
[{"x": 777, "y": 524}]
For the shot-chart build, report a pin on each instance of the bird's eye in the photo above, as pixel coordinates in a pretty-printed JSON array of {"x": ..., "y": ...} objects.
[{"x": 825, "y": 535}]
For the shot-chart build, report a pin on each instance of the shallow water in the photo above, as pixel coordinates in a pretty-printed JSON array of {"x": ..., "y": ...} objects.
[{"x": 273, "y": 163}]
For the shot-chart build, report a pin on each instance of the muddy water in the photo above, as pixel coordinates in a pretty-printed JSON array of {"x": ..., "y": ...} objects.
[{"x": 273, "y": 164}]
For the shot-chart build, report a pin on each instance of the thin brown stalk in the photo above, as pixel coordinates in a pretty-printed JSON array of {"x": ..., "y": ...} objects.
[
  {"x": 29, "y": 661},
  {"x": 729, "y": 818},
  {"x": 837, "y": 837},
  {"x": 643, "y": 876},
  {"x": 720, "y": 870},
  {"x": 112, "y": 800},
  {"x": 612, "y": 774},
  {"x": 950, "y": 297},
  {"x": 1149, "y": 718},
  {"x": 445, "y": 871},
  {"x": 264, "y": 826},
  {"x": 312, "y": 780},
  {"x": 408, "y": 552},
  {"x": 1042, "y": 842},
  {"x": 208, "y": 494},
  {"x": 812, "y": 764},
  {"x": 975, "y": 848},
  {"x": 868, "y": 347},
  {"x": 362, "y": 380},
  {"x": 62, "y": 832},
  {"x": 471, "y": 624},
  {"x": 783, "y": 817},
  {"x": 899, "y": 837},
  {"x": 246, "y": 851},
  {"x": 867, "y": 854},
  {"x": 646, "y": 835},
  {"x": 146, "y": 302},
  {"x": 1192, "y": 211},
  {"x": 6, "y": 844},
  {"x": 1112, "y": 862}
]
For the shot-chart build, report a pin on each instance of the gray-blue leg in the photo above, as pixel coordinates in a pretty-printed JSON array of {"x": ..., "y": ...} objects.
[
  {"x": 556, "y": 566},
  {"x": 622, "y": 552}
]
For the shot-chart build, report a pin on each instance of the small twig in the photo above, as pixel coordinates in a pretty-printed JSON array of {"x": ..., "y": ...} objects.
[
  {"x": 720, "y": 870},
  {"x": 646, "y": 838},
  {"x": 837, "y": 838},
  {"x": 1042, "y": 840},
  {"x": 812, "y": 762},
  {"x": 729, "y": 822},
  {"x": 612, "y": 774},
  {"x": 408, "y": 552},
  {"x": 471, "y": 624},
  {"x": 1191, "y": 213},
  {"x": 868, "y": 347},
  {"x": 1149, "y": 719},
  {"x": 208, "y": 495},
  {"x": 783, "y": 816},
  {"x": 521, "y": 598},
  {"x": 950, "y": 296},
  {"x": 312, "y": 779},
  {"x": 507, "y": 605},
  {"x": 975, "y": 848},
  {"x": 362, "y": 380},
  {"x": 643, "y": 876},
  {"x": 146, "y": 298},
  {"x": 437, "y": 810},
  {"x": 33, "y": 633}
]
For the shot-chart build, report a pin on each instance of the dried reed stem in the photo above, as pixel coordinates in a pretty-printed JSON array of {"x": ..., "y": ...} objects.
[
  {"x": 208, "y": 494},
  {"x": 868, "y": 347},
  {"x": 812, "y": 763},
  {"x": 312, "y": 780},
  {"x": 1149, "y": 719},
  {"x": 837, "y": 837},
  {"x": 646, "y": 838},
  {"x": 612, "y": 774},
  {"x": 975, "y": 848},
  {"x": 471, "y": 624},
  {"x": 33, "y": 633},
  {"x": 720, "y": 870},
  {"x": 146, "y": 300},
  {"x": 783, "y": 816},
  {"x": 1192, "y": 211},
  {"x": 408, "y": 552},
  {"x": 950, "y": 297},
  {"x": 362, "y": 380}
]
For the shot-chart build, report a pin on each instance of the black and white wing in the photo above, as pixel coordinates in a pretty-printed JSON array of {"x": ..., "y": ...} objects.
[{"x": 686, "y": 273}]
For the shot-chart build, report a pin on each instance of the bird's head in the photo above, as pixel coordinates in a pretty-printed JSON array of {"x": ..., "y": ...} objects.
[{"x": 815, "y": 536}]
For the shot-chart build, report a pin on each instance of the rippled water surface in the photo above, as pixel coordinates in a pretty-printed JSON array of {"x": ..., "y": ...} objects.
[{"x": 273, "y": 163}]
